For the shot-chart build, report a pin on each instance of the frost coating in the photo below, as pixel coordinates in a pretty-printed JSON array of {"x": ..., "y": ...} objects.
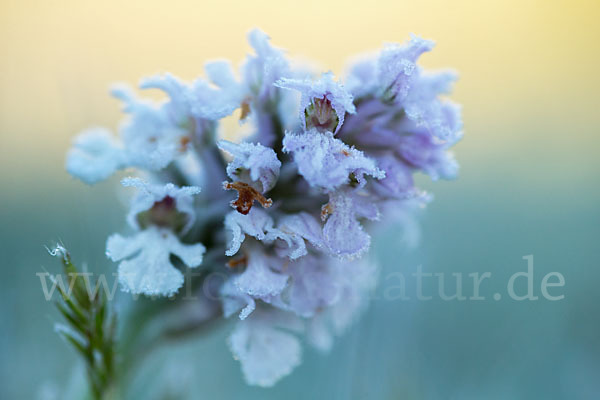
[
  {"x": 235, "y": 300},
  {"x": 145, "y": 267},
  {"x": 259, "y": 280},
  {"x": 326, "y": 162},
  {"x": 149, "y": 195},
  {"x": 300, "y": 229},
  {"x": 266, "y": 351},
  {"x": 95, "y": 156},
  {"x": 323, "y": 94},
  {"x": 397, "y": 66},
  {"x": 343, "y": 234},
  {"x": 289, "y": 252},
  {"x": 154, "y": 134},
  {"x": 257, "y": 224},
  {"x": 395, "y": 76},
  {"x": 252, "y": 163}
]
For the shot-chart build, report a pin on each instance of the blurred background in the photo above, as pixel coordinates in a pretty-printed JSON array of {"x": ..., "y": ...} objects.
[{"x": 529, "y": 184}]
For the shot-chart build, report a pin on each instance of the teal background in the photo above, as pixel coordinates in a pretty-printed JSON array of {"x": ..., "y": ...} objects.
[{"x": 400, "y": 349}]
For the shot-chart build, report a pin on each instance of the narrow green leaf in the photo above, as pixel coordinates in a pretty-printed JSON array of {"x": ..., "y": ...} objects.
[
  {"x": 80, "y": 347},
  {"x": 75, "y": 323},
  {"x": 81, "y": 316}
]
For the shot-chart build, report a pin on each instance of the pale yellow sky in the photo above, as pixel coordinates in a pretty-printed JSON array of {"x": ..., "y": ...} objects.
[{"x": 528, "y": 68}]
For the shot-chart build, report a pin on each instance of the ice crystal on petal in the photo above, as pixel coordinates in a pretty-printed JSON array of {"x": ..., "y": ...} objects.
[
  {"x": 177, "y": 108},
  {"x": 262, "y": 70},
  {"x": 397, "y": 65},
  {"x": 252, "y": 164},
  {"x": 258, "y": 279},
  {"x": 422, "y": 105},
  {"x": 256, "y": 223},
  {"x": 299, "y": 228},
  {"x": 343, "y": 233},
  {"x": 145, "y": 266},
  {"x": 326, "y": 162},
  {"x": 218, "y": 98},
  {"x": 265, "y": 346},
  {"x": 154, "y": 134},
  {"x": 95, "y": 155},
  {"x": 234, "y": 300}
]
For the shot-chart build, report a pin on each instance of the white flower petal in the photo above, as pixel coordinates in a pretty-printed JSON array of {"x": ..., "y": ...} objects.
[
  {"x": 259, "y": 162},
  {"x": 354, "y": 281},
  {"x": 149, "y": 270},
  {"x": 95, "y": 155},
  {"x": 256, "y": 223},
  {"x": 343, "y": 233},
  {"x": 234, "y": 300},
  {"x": 266, "y": 352},
  {"x": 327, "y": 162},
  {"x": 300, "y": 227},
  {"x": 258, "y": 279}
]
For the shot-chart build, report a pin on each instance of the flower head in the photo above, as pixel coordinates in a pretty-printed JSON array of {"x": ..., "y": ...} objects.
[{"x": 350, "y": 159}]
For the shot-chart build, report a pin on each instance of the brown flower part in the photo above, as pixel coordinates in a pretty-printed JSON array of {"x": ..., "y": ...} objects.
[
  {"x": 246, "y": 197},
  {"x": 183, "y": 143},
  {"x": 238, "y": 261},
  {"x": 326, "y": 210},
  {"x": 163, "y": 213},
  {"x": 245, "y": 109}
]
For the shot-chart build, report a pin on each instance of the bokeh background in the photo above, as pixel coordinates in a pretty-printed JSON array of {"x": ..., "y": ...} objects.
[{"x": 529, "y": 184}]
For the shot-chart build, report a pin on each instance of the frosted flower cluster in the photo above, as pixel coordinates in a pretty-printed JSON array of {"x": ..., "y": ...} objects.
[{"x": 284, "y": 209}]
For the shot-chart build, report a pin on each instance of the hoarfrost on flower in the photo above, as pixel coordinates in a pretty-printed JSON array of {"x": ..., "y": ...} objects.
[
  {"x": 259, "y": 280},
  {"x": 95, "y": 155},
  {"x": 257, "y": 223},
  {"x": 326, "y": 162},
  {"x": 145, "y": 266},
  {"x": 319, "y": 99},
  {"x": 343, "y": 234},
  {"x": 266, "y": 346},
  {"x": 298, "y": 229},
  {"x": 349, "y": 158},
  {"x": 166, "y": 198},
  {"x": 397, "y": 66},
  {"x": 252, "y": 163},
  {"x": 234, "y": 300}
]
